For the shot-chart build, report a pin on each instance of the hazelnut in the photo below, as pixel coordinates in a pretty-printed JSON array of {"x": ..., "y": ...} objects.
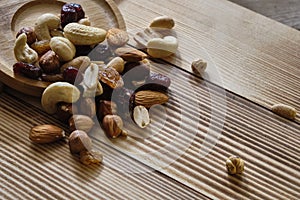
[
  {"x": 79, "y": 141},
  {"x": 91, "y": 157},
  {"x": 49, "y": 62},
  {"x": 112, "y": 125},
  {"x": 81, "y": 122},
  {"x": 106, "y": 108},
  {"x": 235, "y": 165},
  {"x": 29, "y": 31},
  {"x": 88, "y": 107}
]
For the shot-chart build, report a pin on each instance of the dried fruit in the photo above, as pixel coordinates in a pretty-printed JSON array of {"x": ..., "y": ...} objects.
[
  {"x": 156, "y": 82},
  {"x": 71, "y": 12},
  {"x": 117, "y": 37},
  {"x": 81, "y": 122},
  {"x": 106, "y": 108},
  {"x": 130, "y": 54},
  {"x": 52, "y": 77},
  {"x": 141, "y": 116},
  {"x": 31, "y": 36},
  {"x": 112, "y": 125},
  {"x": 235, "y": 165},
  {"x": 28, "y": 70},
  {"x": 137, "y": 71},
  {"x": 49, "y": 62},
  {"x": 79, "y": 141},
  {"x": 72, "y": 75},
  {"x": 149, "y": 98},
  {"x": 46, "y": 134},
  {"x": 124, "y": 99},
  {"x": 91, "y": 157},
  {"x": 111, "y": 77},
  {"x": 285, "y": 111}
]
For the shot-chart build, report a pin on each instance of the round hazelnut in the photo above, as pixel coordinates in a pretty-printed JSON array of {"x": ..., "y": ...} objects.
[
  {"x": 31, "y": 36},
  {"x": 112, "y": 125},
  {"x": 49, "y": 62},
  {"x": 79, "y": 141}
]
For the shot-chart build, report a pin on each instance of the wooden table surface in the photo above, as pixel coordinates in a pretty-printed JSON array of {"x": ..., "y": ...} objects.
[{"x": 253, "y": 62}]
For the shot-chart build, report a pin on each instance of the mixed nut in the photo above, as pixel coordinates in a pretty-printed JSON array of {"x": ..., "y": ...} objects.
[{"x": 86, "y": 65}]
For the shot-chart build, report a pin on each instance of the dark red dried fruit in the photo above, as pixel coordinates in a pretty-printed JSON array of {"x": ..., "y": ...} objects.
[
  {"x": 124, "y": 99},
  {"x": 156, "y": 82},
  {"x": 31, "y": 36},
  {"x": 27, "y": 70},
  {"x": 71, "y": 12},
  {"x": 83, "y": 50},
  {"x": 72, "y": 74}
]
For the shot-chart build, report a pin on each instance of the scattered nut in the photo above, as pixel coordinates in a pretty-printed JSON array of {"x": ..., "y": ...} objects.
[
  {"x": 81, "y": 63},
  {"x": 58, "y": 92},
  {"x": 80, "y": 34},
  {"x": 79, "y": 141},
  {"x": 106, "y": 108},
  {"x": 235, "y": 165},
  {"x": 284, "y": 111},
  {"x": 91, "y": 157},
  {"x": 199, "y": 66},
  {"x": 111, "y": 77},
  {"x": 88, "y": 107},
  {"x": 46, "y": 134},
  {"x": 85, "y": 21},
  {"x": 52, "y": 77},
  {"x": 142, "y": 38},
  {"x": 130, "y": 54},
  {"x": 23, "y": 52},
  {"x": 141, "y": 116},
  {"x": 112, "y": 125},
  {"x": 162, "y": 22},
  {"x": 149, "y": 98},
  {"x": 44, "y": 24},
  {"x": 81, "y": 122},
  {"x": 31, "y": 36},
  {"x": 117, "y": 37},
  {"x": 49, "y": 62},
  {"x": 41, "y": 47},
  {"x": 63, "y": 48},
  {"x": 117, "y": 63},
  {"x": 160, "y": 48}
]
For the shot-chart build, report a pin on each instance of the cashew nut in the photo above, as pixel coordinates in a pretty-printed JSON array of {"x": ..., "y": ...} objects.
[
  {"x": 160, "y": 48},
  {"x": 45, "y": 24},
  {"x": 23, "y": 52},
  {"x": 63, "y": 48},
  {"x": 59, "y": 92}
]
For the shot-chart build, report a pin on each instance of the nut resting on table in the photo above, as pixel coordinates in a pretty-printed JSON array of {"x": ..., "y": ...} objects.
[{"x": 85, "y": 65}]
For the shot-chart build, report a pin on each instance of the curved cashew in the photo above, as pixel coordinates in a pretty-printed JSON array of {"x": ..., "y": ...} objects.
[
  {"x": 160, "y": 48},
  {"x": 44, "y": 24},
  {"x": 23, "y": 52},
  {"x": 59, "y": 92},
  {"x": 63, "y": 48}
]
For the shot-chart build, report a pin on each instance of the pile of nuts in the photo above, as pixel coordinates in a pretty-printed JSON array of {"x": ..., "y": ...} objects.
[{"x": 86, "y": 65}]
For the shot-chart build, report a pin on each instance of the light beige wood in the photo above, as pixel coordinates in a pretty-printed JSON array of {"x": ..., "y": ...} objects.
[
  {"x": 21, "y": 13},
  {"x": 256, "y": 57}
]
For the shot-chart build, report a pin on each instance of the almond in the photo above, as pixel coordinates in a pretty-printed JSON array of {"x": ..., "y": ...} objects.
[
  {"x": 117, "y": 37},
  {"x": 149, "y": 98},
  {"x": 130, "y": 54},
  {"x": 46, "y": 134}
]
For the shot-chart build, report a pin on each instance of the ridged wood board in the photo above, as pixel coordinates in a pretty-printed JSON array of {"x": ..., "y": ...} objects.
[
  {"x": 30, "y": 171},
  {"x": 21, "y": 13},
  {"x": 256, "y": 57}
]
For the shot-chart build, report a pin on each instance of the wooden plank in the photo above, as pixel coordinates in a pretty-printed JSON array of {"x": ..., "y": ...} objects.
[
  {"x": 286, "y": 12},
  {"x": 256, "y": 57},
  {"x": 30, "y": 171}
]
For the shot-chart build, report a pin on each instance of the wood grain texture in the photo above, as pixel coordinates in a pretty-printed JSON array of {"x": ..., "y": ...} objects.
[
  {"x": 286, "y": 12},
  {"x": 255, "y": 57},
  {"x": 21, "y": 13}
]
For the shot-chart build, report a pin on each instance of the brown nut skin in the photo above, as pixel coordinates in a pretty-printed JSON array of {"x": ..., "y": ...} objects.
[
  {"x": 79, "y": 141},
  {"x": 112, "y": 125},
  {"x": 29, "y": 31},
  {"x": 106, "y": 108},
  {"x": 91, "y": 157},
  {"x": 81, "y": 122},
  {"x": 130, "y": 54},
  {"x": 88, "y": 107},
  {"x": 117, "y": 37},
  {"x": 47, "y": 133},
  {"x": 41, "y": 47},
  {"x": 49, "y": 62},
  {"x": 52, "y": 77},
  {"x": 65, "y": 111}
]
